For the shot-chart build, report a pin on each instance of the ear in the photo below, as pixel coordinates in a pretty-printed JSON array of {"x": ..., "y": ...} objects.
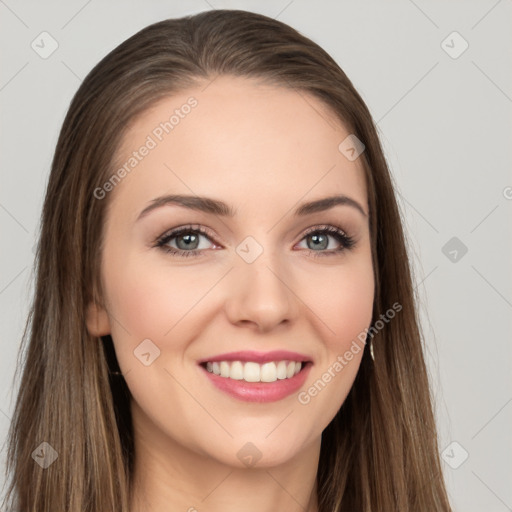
[{"x": 97, "y": 320}]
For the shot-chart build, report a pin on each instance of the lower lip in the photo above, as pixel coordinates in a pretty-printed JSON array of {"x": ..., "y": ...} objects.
[{"x": 259, "y": 391}]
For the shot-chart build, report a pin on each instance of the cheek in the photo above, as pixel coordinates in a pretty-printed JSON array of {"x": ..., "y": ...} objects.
[
  {"x": 153, "y": 302},
  {"x": 343, "y": 301},
  {"x": 351, "y": 309},
  {"x": 150, "y": 299},
  {"x": 343, "y": 309}
]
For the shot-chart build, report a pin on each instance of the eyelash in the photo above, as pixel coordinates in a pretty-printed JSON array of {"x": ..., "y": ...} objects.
[{"x": 347, "y": 241}]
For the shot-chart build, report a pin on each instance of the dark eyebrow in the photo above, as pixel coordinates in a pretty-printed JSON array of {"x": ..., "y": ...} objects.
[
  {"x": 203, "y": 204},
  {"x": 327, "y": 203},
  {"x": 217, "y": 207}
]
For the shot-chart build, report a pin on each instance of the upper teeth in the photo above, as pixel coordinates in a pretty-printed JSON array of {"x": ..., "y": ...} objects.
[{"x": 254, "y": 372}]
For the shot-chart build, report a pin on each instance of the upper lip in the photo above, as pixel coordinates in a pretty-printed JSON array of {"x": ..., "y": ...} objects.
[{"x": 257, "y": 357}]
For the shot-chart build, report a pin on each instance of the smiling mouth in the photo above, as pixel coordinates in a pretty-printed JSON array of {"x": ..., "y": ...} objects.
[{"x": 251, "y": 371}]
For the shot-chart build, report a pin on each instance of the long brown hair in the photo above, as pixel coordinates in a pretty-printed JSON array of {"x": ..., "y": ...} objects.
[{"x": 379, "y": 453}]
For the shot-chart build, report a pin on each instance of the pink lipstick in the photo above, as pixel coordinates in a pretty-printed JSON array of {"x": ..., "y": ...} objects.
[{"x": 256, "y": 376}]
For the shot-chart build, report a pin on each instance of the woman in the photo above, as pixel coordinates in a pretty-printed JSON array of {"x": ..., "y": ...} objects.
[{"x": 224, "y": 315}]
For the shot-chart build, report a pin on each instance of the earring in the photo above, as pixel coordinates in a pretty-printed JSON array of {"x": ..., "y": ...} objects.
[{"x": 371, "y": 351}]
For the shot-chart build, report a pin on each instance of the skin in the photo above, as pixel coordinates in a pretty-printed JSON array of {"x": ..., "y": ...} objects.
[{"x": 264, "y": 150}]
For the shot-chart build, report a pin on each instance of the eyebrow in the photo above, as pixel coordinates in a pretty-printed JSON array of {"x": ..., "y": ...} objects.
[{"x": 217, "y": 207}]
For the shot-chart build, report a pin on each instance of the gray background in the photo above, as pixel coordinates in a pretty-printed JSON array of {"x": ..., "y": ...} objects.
[{"x": 445, "y": 124}]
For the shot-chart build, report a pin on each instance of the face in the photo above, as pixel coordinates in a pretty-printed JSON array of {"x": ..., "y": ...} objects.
[{"x": 268, "y": 278}]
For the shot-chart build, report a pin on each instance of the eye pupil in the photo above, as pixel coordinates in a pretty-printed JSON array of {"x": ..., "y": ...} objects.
[
  {"x": 317, "y": 243},
  {"x": 188, "y": 242}
]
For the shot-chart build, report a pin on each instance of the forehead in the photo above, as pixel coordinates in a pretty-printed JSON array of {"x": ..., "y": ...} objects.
[{"x": 240, "y": 140}]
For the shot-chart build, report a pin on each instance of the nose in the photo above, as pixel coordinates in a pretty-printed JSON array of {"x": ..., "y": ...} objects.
[{"x": 261, "y": 294}]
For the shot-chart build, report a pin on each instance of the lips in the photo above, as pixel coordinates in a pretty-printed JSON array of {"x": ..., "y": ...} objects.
[
  {"x": 273, "y": 383},
  {"x": 258, "y": 391}
]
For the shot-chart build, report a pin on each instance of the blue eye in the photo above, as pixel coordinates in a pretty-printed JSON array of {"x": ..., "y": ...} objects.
[
  {"x": 190, "y": 239},
  {"x": 190, "y": 236},
  {"x": 321, "y": 233}
]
